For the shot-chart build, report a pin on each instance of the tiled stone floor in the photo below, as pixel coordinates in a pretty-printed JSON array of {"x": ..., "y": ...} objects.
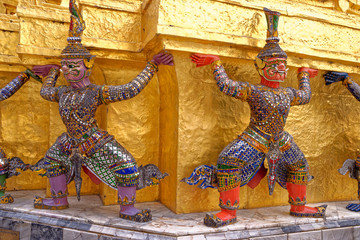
[{"x": 89, "y": 219}]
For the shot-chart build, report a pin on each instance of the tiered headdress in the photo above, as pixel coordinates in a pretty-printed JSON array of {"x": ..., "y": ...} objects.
[
  {"x": 75, "y": 49},
  {"x": 272, "y": 48}
]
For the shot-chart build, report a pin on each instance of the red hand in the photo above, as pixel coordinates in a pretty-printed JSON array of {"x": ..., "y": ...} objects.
[
  {"x": 312, "y": 72},
  {"x": 203, "y": 59},
  {"x": 43, "y": 70}
]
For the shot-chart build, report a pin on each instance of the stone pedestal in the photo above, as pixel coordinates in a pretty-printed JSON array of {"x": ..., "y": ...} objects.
[
  {"x": 90, "y": 220},
  {"x": 181, "y": 119}
]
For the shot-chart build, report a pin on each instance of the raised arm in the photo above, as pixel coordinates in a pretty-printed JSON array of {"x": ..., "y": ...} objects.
[
  {"x": 353, "y": 87},
  {"x": 13, "y": 86},
  {"x": 51, "y": 73},
  {"x": 117, "y": 93},
  {"x": 303, "y": 95},
  {"x": 240, "y": 90},
  {"x": 123, "y": 92}
]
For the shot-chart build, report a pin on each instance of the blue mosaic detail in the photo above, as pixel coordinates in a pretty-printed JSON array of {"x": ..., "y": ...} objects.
[
  {"x": 242, "y": 152},
  {"x": 353, "y": 207},
  {"x": 290, "y": 160},
  {"x": 202, "y": 173},
  {"x": 354, "y": 89},
  {"x": 126, "y": 171}
]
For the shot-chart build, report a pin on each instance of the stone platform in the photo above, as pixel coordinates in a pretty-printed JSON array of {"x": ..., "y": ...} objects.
[{"x": 90, "y": 220}]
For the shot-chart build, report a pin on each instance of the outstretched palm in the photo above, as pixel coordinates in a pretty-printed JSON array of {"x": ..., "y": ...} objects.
[
  {"x": 203, "y": 59},
  {"x": 331, "y": 77},
  {"x": 43, "y": 70},
  {"x": 312, "y": 72},
  {"x": 163, "y": 59}
]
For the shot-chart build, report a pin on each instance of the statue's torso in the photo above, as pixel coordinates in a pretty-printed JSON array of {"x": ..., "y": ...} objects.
[
  {"x": 269, "y": 109},
  {"x": 77, "y": 109}
]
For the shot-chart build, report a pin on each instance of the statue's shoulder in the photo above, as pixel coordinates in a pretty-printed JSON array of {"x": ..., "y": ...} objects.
[
  {"x": 290, "y": 91},
  {"x": 94, "y": 87},
  {"x": 259, "y": 88},
  {"x": 63, "y": 89},
  {"x": 255, "y": 87}
]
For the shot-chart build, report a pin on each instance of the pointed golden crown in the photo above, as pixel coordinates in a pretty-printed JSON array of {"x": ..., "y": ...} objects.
[
  {"x": 272, "y": 48},
  {"x": 74, "y": 48}
]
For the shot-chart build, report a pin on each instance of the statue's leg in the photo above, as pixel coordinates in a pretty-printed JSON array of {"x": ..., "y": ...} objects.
[
  {"x": 229, "y": 187},
  {"x": 127, "y": 176},
  {"x": 235, "y": 158},
  {"x": 297, "y": 200},
  {"x": 126, "y": 197},
  {"x": 297, "y": 174},
  {"x": 55, "y": 171},
  {"x": 116, "y": 167},
  {"x": 2, "y": 184},
  {"x": 58, "y": 200},
  {"x": 4, "y": 199}
]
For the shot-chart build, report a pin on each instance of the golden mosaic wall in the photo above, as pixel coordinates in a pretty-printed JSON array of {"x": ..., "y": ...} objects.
[{"x": 181, "y": 120}]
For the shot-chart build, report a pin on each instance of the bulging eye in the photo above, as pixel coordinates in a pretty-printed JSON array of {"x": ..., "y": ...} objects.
[{"x": 71, "y": 66}]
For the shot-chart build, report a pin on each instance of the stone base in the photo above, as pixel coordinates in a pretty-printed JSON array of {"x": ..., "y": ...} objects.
[{"x": 90, "y": 220}]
